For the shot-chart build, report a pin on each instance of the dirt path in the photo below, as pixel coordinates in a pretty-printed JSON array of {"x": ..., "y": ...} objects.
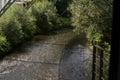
[{"x": 42, "y": 59}]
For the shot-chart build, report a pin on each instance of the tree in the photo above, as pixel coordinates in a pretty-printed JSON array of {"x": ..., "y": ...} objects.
[{"x": 94, "y": 18}]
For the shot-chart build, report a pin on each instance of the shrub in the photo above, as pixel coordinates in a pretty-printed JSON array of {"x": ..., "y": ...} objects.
[
  {"x": 4, "y": 45},
  {"x": 26, "y": 19},
  {"x": 62, "y": 23},
  {"x": 12, "y": 30},
  {"x": 94, "y": 18},
  {"x": 17, "y": 24},
  {"x": 45, "y": 14}
]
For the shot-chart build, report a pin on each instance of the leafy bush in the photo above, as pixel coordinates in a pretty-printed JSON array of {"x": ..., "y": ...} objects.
[
  {"x": 94, "y": 18},
  {"x": 19, "y": 24},
  {"x": 11, "y": 29},
  {"x": 45, "y": 14},
  {"x": 4, "y": 45},
  {"x": 62, "y": 22},
  {"x": 26, "y": 19}
]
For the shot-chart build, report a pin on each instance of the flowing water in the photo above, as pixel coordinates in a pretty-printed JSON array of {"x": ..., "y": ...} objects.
[{"x": 61, "y": 56}]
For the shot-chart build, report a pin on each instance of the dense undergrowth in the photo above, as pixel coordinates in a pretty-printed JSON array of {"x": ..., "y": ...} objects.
[{"x": 19, "y": 24}]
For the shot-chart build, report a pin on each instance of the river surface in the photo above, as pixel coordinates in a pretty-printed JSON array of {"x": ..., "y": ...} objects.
[{"x": 61, "y": 56}]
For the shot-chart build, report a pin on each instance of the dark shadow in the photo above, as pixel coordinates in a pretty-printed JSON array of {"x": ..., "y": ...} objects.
[
  {"x": 61, "y": 6},
  {"x": 71, "y": 62}
]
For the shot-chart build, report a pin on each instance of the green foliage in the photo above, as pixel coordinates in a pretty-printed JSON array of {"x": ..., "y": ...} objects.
[
  {"x": 17, "y": 24},
  {"x": 26, "y": 19},
  {"x": 93, "y": 18},
  {"x": 62, "y": 22},
  {"x": 4, "y": 45},
  {"x": 45, "y": 14},
  {"x": 11, "y": 29}
]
